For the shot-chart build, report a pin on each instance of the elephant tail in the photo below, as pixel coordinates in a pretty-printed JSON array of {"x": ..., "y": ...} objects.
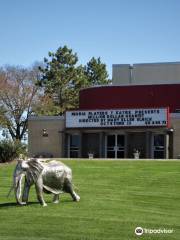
[{"x": 10, "y": 191}]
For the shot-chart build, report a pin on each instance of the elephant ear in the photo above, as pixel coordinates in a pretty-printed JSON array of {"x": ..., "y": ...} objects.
[{"x": 34, "y": 170}]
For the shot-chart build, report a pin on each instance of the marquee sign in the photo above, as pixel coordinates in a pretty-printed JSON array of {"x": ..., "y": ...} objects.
[{"x": 150, "y": 117}]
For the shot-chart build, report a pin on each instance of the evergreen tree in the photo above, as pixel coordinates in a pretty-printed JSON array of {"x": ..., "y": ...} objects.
[
  {"x": 62, "y": 80},
  {"x": 96, "y": 72}
]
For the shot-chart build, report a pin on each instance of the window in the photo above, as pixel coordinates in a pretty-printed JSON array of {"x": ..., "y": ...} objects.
[
  {"x": 115, "y": 146},
  {"x": 159, "y": 146},
  {"x": 74, "y": 145}
]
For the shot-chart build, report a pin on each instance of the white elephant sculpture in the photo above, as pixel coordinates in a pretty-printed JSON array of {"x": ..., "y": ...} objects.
[{"x": 49, "y": 177}]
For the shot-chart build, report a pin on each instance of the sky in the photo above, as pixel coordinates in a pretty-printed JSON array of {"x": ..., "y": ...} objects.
[{"x": 117, "y": 31}]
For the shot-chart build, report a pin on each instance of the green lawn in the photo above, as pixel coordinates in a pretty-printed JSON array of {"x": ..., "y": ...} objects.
[{"x": 116, "y": 197}]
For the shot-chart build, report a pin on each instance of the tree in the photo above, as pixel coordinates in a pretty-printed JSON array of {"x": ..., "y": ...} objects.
[
  {"x": 18, "y": 94},
  {"x": 62, "y": 80},
  {"x": 96, "y": 72}
]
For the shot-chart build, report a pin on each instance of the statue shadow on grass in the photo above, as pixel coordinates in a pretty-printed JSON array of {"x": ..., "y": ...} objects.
[{"x": 15, "y": 205}]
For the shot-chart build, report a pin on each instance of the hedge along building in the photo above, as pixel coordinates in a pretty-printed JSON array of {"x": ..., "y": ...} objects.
[{"x": 139, "y": 112}]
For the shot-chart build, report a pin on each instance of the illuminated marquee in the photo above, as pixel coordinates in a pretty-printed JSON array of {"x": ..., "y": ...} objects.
[{"x": 150, "y": 117}]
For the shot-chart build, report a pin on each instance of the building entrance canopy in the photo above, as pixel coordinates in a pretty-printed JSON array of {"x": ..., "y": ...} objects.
[
  {"x": 149, "y": 117},
  {"x": 117, "y": 133}
]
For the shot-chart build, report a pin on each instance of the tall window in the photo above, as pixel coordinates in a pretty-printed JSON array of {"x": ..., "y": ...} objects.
[
  {"x": 115, "y": 146},
  {"x": 159, "y": 146},
  {"x": 74, "y": 145}
]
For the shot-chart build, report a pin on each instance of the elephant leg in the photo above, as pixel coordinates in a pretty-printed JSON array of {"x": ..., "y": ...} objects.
[
  {"x": 69, "y": 189},
  {"x": 56, "y": 198},
  {"x": 39, "y": 192},
  {"x": 26, "y": 192}
]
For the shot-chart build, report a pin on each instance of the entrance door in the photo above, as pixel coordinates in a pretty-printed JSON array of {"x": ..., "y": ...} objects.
[
  {"x": 159, "y": 146},
  {"x": 74, "y": 145},
  {"x": 115, "y": 146},
  {"x": 90, "y": 144},
  {"x": 136, "y": 141}
]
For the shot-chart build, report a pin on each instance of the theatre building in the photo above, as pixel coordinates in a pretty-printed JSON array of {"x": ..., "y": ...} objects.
[{"x": 138, "y": 116}]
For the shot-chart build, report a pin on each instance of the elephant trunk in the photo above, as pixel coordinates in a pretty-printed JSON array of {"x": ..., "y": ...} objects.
[
  {"x": 17, "y": 185},
  {"x": 17, "y": 189}
]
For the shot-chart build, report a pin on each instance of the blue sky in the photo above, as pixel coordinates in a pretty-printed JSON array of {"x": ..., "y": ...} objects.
[{"x": 119, "y": 31}]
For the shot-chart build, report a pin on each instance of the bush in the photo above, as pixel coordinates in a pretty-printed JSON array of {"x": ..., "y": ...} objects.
[{"x": 10, "y": 150}]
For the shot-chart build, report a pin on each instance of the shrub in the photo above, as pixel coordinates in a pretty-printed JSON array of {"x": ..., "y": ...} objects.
[{"x": 10, "y": 150}]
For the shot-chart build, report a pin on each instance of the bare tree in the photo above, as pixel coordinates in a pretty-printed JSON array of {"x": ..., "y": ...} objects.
[{"x": 18, "y": 95}]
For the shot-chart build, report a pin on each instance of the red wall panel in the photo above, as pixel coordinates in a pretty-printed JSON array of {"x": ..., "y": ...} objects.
[{"x": 139, "y": 96}]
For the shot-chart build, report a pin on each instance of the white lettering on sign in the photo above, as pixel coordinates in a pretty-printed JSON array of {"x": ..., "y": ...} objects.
[{"x": 117, "y": 118}]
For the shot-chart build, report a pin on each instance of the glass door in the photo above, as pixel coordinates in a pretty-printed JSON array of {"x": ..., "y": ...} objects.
[
  {"x": 74, "y": 146},
  {"x": 159, "y": 146},
  {"x": 120, "y": 146},
  {"x": 111, "y": 143},
  {"x": 115, "y": 146}
]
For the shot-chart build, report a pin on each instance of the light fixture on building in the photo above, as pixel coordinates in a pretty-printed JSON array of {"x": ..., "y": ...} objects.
[
  {"x": 170, "y": 130},
  {"x": 44, "y": 132}
]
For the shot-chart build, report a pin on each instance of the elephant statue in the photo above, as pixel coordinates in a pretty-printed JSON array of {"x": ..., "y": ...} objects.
[{"x": 49, "y": 177}]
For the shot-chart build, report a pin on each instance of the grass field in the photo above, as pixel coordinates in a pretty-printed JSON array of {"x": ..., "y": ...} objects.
[{"x": 116, "y": 197}]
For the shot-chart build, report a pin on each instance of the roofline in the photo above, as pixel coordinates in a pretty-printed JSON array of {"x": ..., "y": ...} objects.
[
  {"x": 45, "y": 118},
  {"x": 152, "y": 63},
  {"x": 128, "y": 85}
]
